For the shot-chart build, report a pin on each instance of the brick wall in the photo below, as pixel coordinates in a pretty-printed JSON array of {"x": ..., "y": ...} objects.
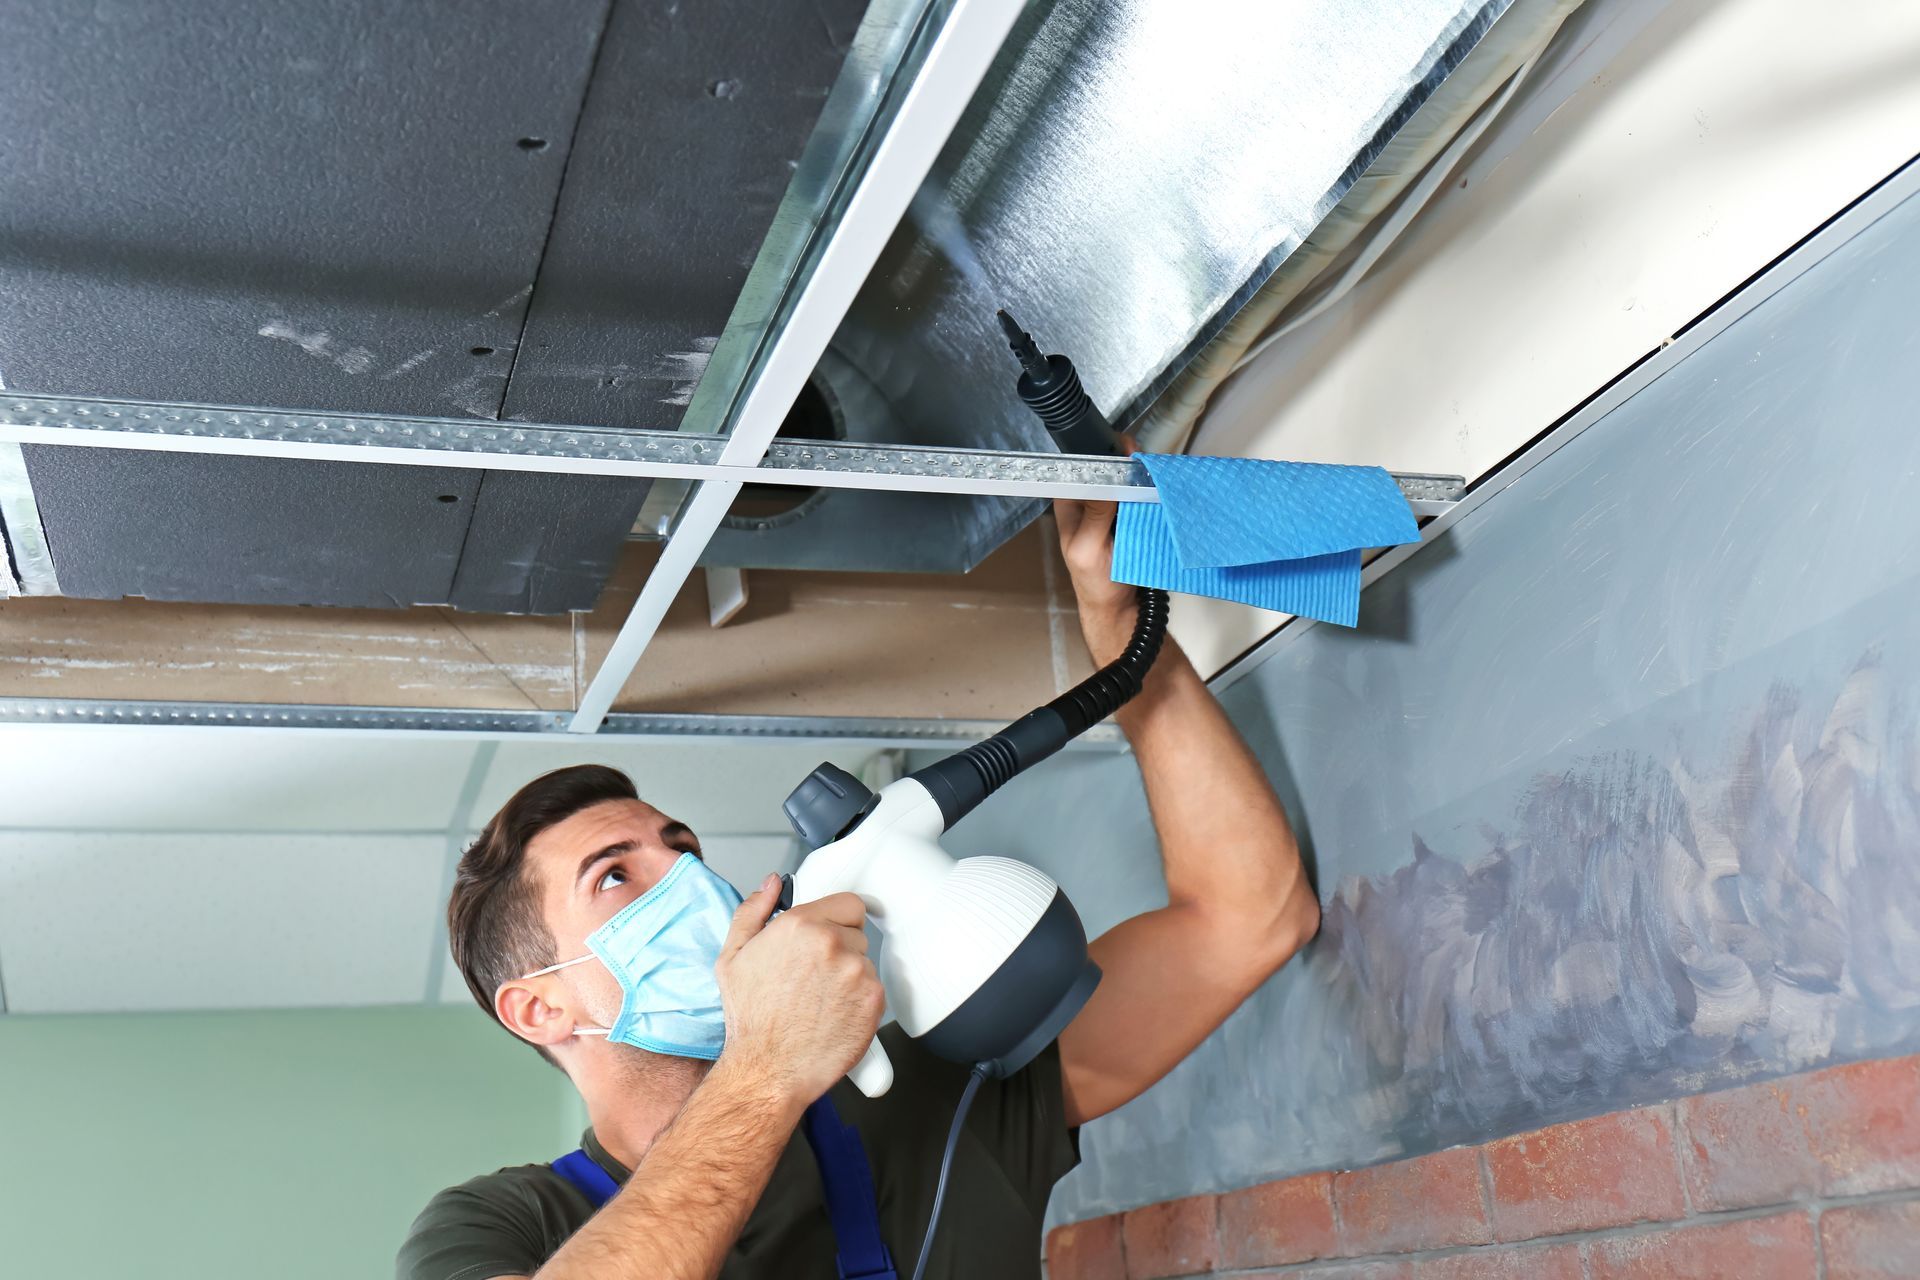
[{"x": 1814, "y": 1177}]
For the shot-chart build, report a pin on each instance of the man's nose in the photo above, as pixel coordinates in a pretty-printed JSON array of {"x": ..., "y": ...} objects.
[{"x": 658, "y": 858}]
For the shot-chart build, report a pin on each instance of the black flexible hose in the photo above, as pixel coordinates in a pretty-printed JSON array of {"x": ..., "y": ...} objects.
[
  {"x": 1119, "y": 682},
  {"x": 964, "y": 779}
]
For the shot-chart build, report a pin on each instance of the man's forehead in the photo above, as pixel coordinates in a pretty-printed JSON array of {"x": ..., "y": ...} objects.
[{"x": 561, "y": 846}]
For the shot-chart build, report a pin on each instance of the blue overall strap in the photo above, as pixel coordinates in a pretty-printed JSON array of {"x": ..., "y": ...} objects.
[
  {"x": 852, "y": 1206},
  {"x": 595, "y": 1183},
  {"x": 845, "y": 1177}
]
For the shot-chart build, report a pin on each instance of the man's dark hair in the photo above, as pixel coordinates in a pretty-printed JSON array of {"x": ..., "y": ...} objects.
[{"x": 493, "y": 917}]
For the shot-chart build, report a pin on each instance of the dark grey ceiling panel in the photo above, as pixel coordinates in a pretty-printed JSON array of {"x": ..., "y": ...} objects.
[
  {"x": 346, "y": 206},
  {"x": 336, "y": 206},
  {"x": 543, "y": 543},
  {"x": 236, "y": 530},
  {"x": 691, "y": 128},
  {"x": 320, "y": 206}
]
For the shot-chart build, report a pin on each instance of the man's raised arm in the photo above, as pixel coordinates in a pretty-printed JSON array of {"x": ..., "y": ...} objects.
[{"x": 1238, "y": 901}]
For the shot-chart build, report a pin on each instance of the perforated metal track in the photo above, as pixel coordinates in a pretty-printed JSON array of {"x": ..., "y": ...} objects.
[
  {"x": 263, "y": 432},
  {"x": 932, "y": 732}
]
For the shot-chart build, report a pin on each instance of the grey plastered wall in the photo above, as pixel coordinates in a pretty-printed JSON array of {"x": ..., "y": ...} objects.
[{"x": 1613, "y": 795}]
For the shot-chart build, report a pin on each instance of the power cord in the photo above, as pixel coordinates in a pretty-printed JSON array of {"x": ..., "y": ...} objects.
[{"x": 974, "y": 1080}]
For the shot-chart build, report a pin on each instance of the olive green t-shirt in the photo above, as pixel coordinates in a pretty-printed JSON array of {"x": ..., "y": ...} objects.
[{"x": 1014, "y": 1147}]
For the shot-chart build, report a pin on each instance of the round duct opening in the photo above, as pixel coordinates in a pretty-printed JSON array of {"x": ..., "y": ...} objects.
[{"x": 815, "y": 415}]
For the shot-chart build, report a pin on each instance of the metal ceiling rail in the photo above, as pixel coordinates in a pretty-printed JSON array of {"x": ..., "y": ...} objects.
[
  {"x": 449, "y": 442},
  {"x": 890, "y": 42},
  {"x": 515, "y": 725},
  {"x": 20, "y": 530}
]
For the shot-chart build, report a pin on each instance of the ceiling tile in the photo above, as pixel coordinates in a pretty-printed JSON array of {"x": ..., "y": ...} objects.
[
  {"x": 199, "y": 779},
  {"x": 744, "y": 860},
  {"x": 109, "y": 922},
  {"x": 713, "y": 787}
]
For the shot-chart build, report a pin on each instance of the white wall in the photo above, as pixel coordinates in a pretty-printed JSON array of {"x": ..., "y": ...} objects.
[{"x": 1660, "y": 155}]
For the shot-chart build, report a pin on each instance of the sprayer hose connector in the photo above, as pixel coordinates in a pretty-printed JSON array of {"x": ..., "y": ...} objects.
[{"x": 1061, "y": 400}]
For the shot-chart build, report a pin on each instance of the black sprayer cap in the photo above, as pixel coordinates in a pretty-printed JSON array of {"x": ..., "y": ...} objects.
[{"x": 827, "y": 805}]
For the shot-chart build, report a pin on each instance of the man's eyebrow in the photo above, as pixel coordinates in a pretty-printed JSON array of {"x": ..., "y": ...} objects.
[
  {"x": 601, "y": 855},
  {"x": 674, "y": 830}
]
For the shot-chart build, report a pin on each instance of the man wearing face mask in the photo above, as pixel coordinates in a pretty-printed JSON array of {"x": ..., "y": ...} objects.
[{"x": 710, "y": 1036}]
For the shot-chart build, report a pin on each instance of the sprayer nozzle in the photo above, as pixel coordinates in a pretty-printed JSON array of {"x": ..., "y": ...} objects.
[
  {"x": 1050, "y": 387},
  {"x": 1024, "y": 348}
]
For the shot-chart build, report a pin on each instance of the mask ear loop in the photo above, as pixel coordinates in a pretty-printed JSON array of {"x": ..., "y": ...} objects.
[{"x": 555, "y": 968}]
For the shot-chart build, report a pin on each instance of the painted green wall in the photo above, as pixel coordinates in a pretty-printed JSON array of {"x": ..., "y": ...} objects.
[{"x": 290, "y": 1144}]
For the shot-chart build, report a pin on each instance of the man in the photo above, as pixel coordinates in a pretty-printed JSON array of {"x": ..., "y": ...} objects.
[{"x": 700, "y": 1129}]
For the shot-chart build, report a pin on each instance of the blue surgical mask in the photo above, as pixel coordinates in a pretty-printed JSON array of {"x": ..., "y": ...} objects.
[{"x": 662, "y": 947}]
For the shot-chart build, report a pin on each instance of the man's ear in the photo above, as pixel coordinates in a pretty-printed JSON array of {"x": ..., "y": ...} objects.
[{"x": 528, "y": 1008}]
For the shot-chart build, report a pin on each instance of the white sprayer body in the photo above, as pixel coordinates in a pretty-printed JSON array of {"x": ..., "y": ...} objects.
[{"x": 947, "y": 925}]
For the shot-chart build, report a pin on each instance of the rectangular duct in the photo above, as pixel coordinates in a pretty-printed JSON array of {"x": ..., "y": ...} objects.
[{"x": 1129, "y": 175}]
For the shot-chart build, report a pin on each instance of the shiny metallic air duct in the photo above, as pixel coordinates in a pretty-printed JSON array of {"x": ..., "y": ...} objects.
[{"x": 1130, "y": 174}]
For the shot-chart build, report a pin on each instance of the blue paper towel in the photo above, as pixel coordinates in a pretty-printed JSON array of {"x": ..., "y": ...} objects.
[
  {"x": 1249, "y": 510},
  {"x": 1280, "y": 535},
  {"x": 1325, "y": 587}
]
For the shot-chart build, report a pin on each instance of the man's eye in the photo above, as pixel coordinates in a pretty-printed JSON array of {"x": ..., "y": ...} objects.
[{"x": 609, "y": 880}]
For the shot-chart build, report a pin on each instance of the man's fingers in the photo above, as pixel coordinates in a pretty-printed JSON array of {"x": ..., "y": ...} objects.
[
  {"x": 1097, "y": 525},
  {"x": 751, "y": 916},
  {"x": 1067, "y": 513},
  {"x": 844, "y": 909}
]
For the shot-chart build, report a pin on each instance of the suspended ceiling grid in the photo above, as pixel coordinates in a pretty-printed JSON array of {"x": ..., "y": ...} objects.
[
  {"x": 623, "y": 242},
  {"x": 529, "y": 564},
  {"x": 359, "y": 206},
  {"x": 993, "y": 643}
]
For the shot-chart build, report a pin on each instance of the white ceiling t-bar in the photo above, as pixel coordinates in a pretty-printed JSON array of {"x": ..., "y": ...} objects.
[{"x": 954, "y": 65}]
